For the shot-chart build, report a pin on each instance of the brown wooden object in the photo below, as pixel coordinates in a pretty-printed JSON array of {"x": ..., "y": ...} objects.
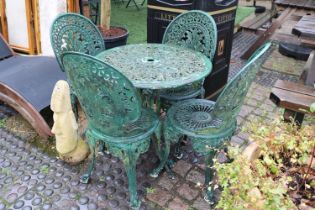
[
  {"x": 16, "y": 101},
  {"x": 295, "y": 98},
  {"x": 268, "y": 33},
  {"x": 305, "y": 27},
  {"x": 308, "y": 75},
  {"x": 3, "y": 20},
  {"x": 105, "y": 14},
  {"x": 257, "y": 22},
  {"x": 303, "y": 4}
]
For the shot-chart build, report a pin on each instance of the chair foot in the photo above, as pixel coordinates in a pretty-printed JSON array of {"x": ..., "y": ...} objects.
[
  {"x": 85, "y": 178},
  {"x": 170, "y": 173},
  {"x": 135, "y": 205},
  {"x": 209, "y": 197},
  {"x": 178, "y": 152},
  {"x": 170, "y": 163},
  {"x": 155, "y": 173}
]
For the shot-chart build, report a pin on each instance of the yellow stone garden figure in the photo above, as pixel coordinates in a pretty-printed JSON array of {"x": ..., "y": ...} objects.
[{"x": 69, "y": 145}]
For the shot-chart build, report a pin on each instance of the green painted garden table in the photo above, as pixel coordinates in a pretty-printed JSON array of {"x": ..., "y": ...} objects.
[{"x": 154, "y": 67}]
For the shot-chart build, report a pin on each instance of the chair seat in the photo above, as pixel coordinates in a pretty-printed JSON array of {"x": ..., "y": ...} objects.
[
  {"x": 195, "y": 118},
  {"x": 179, "y": 94},
  {"x": 133, "y": 131}
]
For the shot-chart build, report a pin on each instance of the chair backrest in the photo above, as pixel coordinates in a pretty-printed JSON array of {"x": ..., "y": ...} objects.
[
  {"x": 74, "y": 32},
  {"x": 107, "y": 97},
  {"x": 195, "y": 30},
  {"x": 231, "y": 99}
]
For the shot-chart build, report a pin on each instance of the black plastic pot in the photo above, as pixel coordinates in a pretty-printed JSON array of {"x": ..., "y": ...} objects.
[{"x": 116, "y": 41}]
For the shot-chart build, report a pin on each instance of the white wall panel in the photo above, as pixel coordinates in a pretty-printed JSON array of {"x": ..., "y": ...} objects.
[
  {"x": 17, "y": 23},
  {"x": 48, "y": 11}
]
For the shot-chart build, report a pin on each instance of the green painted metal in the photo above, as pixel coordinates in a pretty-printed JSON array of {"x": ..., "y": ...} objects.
[
  {"x": 195, "y": 30},
  {"x": 210, "y": 124},
  {"x": 114, "y": 113},
  {"x": 158, "y": 66},
  {"x": 74, "y": 32}
]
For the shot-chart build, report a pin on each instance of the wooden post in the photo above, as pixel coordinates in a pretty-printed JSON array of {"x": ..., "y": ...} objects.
[
  {"x": 3, "y": 20},
  {"x": 105, "y": 14}
]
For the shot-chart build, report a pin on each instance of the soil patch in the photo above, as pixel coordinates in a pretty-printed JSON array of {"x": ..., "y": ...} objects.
[{"x": 112, "y": 32}]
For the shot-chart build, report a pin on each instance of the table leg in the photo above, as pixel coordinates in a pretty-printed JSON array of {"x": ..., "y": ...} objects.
[{"x": 161, "y": 146}]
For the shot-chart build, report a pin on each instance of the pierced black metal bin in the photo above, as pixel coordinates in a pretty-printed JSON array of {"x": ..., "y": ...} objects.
[{"x": 162, "y": 12}]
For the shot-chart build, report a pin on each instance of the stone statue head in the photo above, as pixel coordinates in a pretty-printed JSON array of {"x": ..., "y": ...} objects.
[{"x": 65, "y": 126}]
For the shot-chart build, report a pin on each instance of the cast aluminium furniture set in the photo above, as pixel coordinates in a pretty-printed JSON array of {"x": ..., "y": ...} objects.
[{"x": 122, "y": 90}]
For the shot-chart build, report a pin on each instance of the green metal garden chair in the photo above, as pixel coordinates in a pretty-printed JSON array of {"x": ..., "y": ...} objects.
[
  {"x": 74, "y": 32},
  {"x": 194, "y": 30},
  {"x": 209, "y": 124},
  {"x": 114, "y": 113}
]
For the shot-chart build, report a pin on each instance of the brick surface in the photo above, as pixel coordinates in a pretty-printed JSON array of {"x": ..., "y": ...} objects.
[
  {"x": 195, "y": 177},
  {"x": 166, "y": 182},
  {"x": 182, "y": 167},
  {"x": 187, "y": 192},
  {"x": 178, "y": 204},
  {"x": 252, "y": 102},
  {"x": 237, "y": 141},
  {"x": 159, "y": 196},
  {"x": 201, "y": 204},
  {"x": 245, "y": 110}
]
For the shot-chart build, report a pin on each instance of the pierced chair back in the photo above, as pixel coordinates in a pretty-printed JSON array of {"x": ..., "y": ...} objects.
[
  {"x": 195, "y": 30},
  {"x": 107, "y": 97},
  {"x": 74, "y": 32},
  {"x": 229, "y": 102}
]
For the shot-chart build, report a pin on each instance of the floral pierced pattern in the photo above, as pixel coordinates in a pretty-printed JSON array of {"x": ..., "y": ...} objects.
[
  {"x": 229, "y": 103},
  {"x": 108, "y": 98},
  {"x": 193, "y": 115},
  {"x": 194, "y": 30},
  {"x": 73, "y": 32},
  {"x": 156, "y": 66}
]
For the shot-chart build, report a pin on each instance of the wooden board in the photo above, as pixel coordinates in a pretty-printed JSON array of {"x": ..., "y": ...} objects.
[
  {"x": 310, "y": 4},
  {"x": 295, "y": 87},
  {"x": 305, "y": 27},
  {"x": 257, "y": 22},
  {"x": 292, "y": 96},
  {"x": 283, "y": 37},
  {"x": 309, "y": 70},
  {"x": 304, "y": 4},
  {"x": 268, "y": 33}
]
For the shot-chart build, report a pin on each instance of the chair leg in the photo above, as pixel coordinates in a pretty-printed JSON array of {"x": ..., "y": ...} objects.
[
  {"x": 92, "y": 144},
  {"x": 164, "y": 153},
  {"x": 209, "y": 174},
  {"x": 130, "y": 161},
  {"x": 202, "y": 93}
]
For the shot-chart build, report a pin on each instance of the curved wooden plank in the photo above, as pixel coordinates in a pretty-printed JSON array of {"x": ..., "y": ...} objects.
[{"x": 20, "y": 104}]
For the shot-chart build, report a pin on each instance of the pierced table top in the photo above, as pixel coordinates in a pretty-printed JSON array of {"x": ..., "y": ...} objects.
[{"x": 158, "y": 66}]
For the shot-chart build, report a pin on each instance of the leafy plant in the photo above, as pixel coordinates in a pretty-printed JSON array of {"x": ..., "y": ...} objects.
[
  {"x": 280, "y": 171},
  {"x": 2, "y": 123},
  {"x": 150, "y": 190}
]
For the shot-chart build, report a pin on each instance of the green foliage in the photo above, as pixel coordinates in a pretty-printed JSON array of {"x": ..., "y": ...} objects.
[
  {"x": 242, "y": 13},
  {"x": 2, "y": 123},
  {"x": 44, "y": 169},
  {"x": 150, "y": 190},
  {"x": 262, "y": 184}
]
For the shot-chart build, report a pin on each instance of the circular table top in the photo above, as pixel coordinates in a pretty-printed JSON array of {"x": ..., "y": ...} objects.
[{"x": 158, "y": 66}]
